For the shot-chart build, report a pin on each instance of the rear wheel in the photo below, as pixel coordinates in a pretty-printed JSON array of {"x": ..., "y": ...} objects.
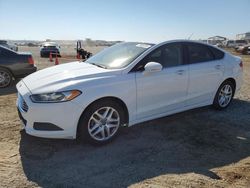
[
  {"x": 224, "y": 95},
  {"x": 5, "y": 78},
  {"x": 101, "y": 122}
]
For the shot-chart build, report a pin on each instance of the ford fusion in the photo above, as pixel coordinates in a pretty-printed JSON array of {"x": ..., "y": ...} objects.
[{"x": 124, "y": 85}]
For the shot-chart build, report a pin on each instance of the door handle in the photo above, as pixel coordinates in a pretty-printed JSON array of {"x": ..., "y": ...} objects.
[
  {"x": 217, "y": 67},
  {"x": 180, "y": 72}
]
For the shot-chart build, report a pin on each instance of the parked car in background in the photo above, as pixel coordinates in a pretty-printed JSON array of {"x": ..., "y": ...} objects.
[
  {"x": 234, "y": 43},
  {"x": 14, "y": 65},
  {"x": 49, "y": 47},
  {"x": 245, "y": 50},
  {"x": 8, "y": 45},
  {"x": 126, "y": 84},
  {"x": 229, "y": 43},
  {"x": 239, "y": 43}
]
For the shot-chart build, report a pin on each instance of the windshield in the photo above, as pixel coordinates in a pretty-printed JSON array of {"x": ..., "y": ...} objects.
[{"x": 119, "y": 55}]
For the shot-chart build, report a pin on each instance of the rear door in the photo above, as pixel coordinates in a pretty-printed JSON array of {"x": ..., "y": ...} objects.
[{"x": 205, "y": 73}]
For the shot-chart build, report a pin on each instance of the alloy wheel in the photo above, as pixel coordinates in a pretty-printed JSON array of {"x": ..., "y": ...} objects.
[
  {"x": 225, "y": 95},
  {"x": 104, "y": 123}
]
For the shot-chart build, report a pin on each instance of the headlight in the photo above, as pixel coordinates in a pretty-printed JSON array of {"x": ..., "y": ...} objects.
[{"x": 55, "y": 97}]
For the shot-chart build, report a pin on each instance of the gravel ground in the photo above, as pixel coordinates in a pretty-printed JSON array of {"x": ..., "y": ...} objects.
[{"x": 197, "y": 148}]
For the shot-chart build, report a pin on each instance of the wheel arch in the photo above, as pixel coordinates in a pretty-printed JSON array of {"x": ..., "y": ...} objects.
[
  {"x": 232, "y": 80},
  {"x": 112, "y": 98},
  {"x": 215, "y": 101},
  {"x": 8, "y": 69}
]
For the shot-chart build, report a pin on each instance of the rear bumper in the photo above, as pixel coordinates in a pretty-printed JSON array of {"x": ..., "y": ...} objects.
[
  {"x": 47, "y": 53},
  {"x": 239, "y": 82},
  {"x": 25, "y": 72}
]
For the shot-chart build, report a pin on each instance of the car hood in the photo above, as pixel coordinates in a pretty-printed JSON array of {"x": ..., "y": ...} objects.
[{"x": 65, "y": 76}]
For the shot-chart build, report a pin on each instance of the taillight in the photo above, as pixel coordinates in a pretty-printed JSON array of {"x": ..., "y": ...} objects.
[
  {"x": 31, "y": 61},
  {"x": 241, "y": 64}
]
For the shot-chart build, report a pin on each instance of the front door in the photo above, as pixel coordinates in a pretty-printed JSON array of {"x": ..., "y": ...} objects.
[{"x": 164, "y": 91}]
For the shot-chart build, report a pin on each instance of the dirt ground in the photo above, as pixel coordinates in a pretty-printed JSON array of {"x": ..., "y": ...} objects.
[{"x": 198, "y": 148}]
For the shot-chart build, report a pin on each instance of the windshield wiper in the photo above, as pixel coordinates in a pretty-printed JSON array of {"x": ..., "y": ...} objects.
[{"x": 99, "y": 65}]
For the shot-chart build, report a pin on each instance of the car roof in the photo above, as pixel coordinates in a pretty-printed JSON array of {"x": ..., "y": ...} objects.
[
  {"x": 3, "y": 41},
  {"x": 190, "y": 41},
  {"x": 183, "y": 40},
  {"x": 50, "y": 44},
  {"x": 5, "y": 48}
]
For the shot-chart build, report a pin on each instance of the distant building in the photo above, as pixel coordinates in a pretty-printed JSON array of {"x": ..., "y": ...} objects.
[
  {"x": 216, "y": 40},
  {"x": 243, "y": 36}
]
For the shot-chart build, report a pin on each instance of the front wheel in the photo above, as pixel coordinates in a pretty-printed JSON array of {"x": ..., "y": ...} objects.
[
  {"x": 101, "y": 122},
  {"x": 224, "y": 95}
]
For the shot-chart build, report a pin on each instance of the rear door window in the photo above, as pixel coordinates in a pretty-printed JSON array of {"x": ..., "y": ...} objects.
[
  {"x": 218, "y": 54},
  {"x": 199, "y": 53}
]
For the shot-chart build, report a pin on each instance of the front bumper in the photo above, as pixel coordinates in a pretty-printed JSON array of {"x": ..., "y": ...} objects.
[
  {"x": 24, "y": 122},
  {"x": 64, "y": 116}
]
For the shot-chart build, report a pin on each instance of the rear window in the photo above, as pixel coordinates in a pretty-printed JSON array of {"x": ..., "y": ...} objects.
[
  {"x": 49, "y": 46},
  {"x": 199, "y": 53},
  {"x": 3, "y": 42},
  {"x": 6, "y": 52},
  {"x": 218, "y": 54}
]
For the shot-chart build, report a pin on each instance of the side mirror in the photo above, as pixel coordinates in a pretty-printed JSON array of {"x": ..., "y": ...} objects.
[{"x": 152, "y": 67}]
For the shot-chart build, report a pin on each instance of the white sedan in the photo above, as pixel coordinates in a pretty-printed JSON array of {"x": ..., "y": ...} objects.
[{"x": 126, "y": 84}]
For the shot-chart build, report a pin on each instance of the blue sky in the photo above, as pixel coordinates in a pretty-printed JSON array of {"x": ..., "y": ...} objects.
[{"x": 129, "y": 20}]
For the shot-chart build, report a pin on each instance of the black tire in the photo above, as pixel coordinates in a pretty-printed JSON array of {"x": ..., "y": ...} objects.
[
  {"x": 6, "y": 78},
  {"x": 83, "y": 130},
  {"x": 216, "y": 102}
]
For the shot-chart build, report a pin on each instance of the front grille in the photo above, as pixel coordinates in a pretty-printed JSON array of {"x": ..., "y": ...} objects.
[{"x": 22, "y": 104}]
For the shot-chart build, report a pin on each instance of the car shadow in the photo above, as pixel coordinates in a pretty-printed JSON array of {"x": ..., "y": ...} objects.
[
  {"x": 194, "y": 141},
  {"x": 9, "y": 90}
]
